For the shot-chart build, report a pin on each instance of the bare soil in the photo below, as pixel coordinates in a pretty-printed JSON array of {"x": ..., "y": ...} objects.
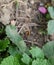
[{"x": 31, "y": 24}]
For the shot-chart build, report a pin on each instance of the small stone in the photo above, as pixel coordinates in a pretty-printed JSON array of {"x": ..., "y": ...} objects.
[
  {"x": 13, "y": 22},
  {"x": 43, "y": 10},
  {"x": 32, "y": 2},
  {"x": 41, "y": 4}
]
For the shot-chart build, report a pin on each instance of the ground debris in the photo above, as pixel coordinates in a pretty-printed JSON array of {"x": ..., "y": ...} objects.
[{"x": 27, "y": 19}]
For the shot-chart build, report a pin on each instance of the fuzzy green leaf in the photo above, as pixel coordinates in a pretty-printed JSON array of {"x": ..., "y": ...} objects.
[
  {"x": 11, "y": 32},
  {"x": 37, "y": 52},
  {"x": 48, "y": 49},
  {"x": 40, "y": 62},
  {"x": 12, "y": 50},
  {"x": 50, "y": 28},
  {"x": 26, "y": 59},
  {"x": 51, "y": 11}
]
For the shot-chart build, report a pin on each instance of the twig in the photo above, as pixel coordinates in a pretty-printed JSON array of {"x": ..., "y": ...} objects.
[
  {"x": 32, "y": 42},
  {"x": 21, "y": 29},
  {"x": 7, "y": 4},
  {"x": 26, "y": 26}
]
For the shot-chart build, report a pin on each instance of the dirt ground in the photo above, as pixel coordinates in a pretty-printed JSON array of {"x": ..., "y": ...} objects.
[{"x": 31, "y": 24}]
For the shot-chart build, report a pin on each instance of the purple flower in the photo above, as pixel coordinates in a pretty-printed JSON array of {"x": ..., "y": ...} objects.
[{"x": 43, "y": 10}]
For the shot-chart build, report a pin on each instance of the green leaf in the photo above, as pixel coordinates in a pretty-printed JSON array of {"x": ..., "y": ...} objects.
[
  {"x": 1, "y": 30},
  {"x": 48, "y": 17},
  {"x": 17, "y": 4},
  {"x": 51, "y": 60},
  {"x": 40, "y": 62},
  {"x": 37, "y": 52},
  {"x": 11, "y": 60},
  {"x": 50, "y": 28},
  {"x": 4, "y": 44},
  {"x": 19, "y": 56},
  {"x": 51, "y": 11},
  {"x": 11, "y": 32},
  {"x": 1, "y": 59},
  {"x": 12, "y": 50},
  {"x": 48, "y": 49},
  {"x": 26, "y": 59}
]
